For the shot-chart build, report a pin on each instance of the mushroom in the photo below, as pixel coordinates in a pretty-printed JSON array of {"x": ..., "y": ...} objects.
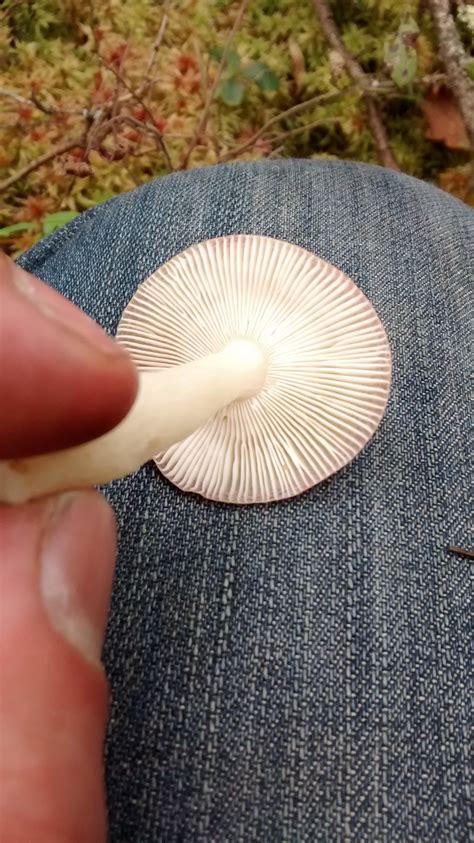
[{"x": 263, "y": 370}]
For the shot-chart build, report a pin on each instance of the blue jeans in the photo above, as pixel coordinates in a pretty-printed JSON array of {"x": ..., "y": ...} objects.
[{"x": 297, "y": 672}]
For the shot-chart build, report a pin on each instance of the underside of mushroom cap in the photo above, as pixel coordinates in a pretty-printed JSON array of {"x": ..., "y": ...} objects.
[{"x": 328, "y": 364}]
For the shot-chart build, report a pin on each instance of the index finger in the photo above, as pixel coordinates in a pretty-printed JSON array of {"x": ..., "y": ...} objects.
[{"x": 62, "y": 379}]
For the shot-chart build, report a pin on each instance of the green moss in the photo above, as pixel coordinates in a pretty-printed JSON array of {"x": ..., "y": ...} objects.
[{"x": 56, "y": 43}]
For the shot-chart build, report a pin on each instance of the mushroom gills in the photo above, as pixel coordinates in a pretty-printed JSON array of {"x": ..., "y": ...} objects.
[
  {"x": 263, "y": 370},
  {"x": 327, "y": 355}
]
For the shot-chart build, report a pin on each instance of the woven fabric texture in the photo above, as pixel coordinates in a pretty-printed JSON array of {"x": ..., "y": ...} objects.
[{"x": 297, "y": 672}]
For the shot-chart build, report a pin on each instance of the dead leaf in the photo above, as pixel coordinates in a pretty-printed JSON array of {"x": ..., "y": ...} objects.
[
  {"x": 459, "y": 182},
  {"x": 445, "y": 123}
]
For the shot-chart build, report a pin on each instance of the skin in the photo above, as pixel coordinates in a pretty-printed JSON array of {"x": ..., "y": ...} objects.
[{"x": 63, "y": 382}]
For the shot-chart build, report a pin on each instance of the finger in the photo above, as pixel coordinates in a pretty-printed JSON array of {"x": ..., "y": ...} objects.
[
  {"x": 62, "y": 379},
  {"x": 55, "y": 580}
]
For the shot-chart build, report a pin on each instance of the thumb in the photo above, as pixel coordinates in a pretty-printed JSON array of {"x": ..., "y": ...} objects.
[{"x": 57, "y": 562}]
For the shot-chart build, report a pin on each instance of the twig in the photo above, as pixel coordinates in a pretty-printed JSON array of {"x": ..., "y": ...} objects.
[
  {"x": 134, "y": 94},
  {"x": 118, "y": 84},
  {"x": 49, "y": 109},
  {"x": 141, "y": 153},
  {"x": 210, "y": 97},
  {"x": 295, "y": 109},
  {"x": 379, "y": 134},
  {"x": 104, "y": 128},
  {"x": 147, "y": 111},
  {"x": 454, "y": 59},
  {"x": 94, "y": 139},
  {"x": 323, "y": 121},
  {"x": 16, "y": 97},
  {"x": 154, "y": 50},
  {"x": 43, "y": 159},
  {"x": 118, "y": 81},
  {"x": 461, "y": 551},
  {"x": 36, "y": 103},
  {"x": 275, "y": 153},
  {"x": 355, "y": 71},
  {"x": 203, "y": 68}
]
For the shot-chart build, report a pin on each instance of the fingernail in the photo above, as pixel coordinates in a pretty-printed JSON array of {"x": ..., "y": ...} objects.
[
  {"x": 77, "y": 560},
  {"x": 53, "y": 305}
]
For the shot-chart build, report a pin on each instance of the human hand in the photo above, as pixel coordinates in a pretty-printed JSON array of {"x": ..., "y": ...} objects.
[{"x": 62, "y": 381}]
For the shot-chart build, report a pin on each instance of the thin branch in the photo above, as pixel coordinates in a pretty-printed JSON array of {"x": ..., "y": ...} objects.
[
  {"x": 141, "y": 153},
  {"x": 295, "y": 109},
  {"x": 96, "y": 138},
  {"x": 38, "y": 105},
  {"x": 210, "y": 97},
  {"x": 454, "y": 59},
  {"x": 16, "y": 97},
  {"x": 203, "y": 69},
  {"x": 49, "y": 109},
  {"x": 43, "y": 159},
  {"x": 118, "y": 85},
  {"x": 104, "y": 128},
  {"x": 118, "y": 81},
  {"x": 379, "y": 134},
  {"x": 467, "y": 552},
  {"x": 357, "y": 74},
  {"x": 275, "y": 153},
  {"x": 134, "y": 95},
  {"x": 377, "y": 88},
  {"x": 154, "y": 50},
  {"x": 147, "y": 111},
  {"x": 333, "y": 36},
  {"x": 323, "y": 121}
]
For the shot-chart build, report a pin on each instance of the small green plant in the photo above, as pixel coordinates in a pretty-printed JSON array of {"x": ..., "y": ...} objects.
[
  {"x": 400, "y": 54},
  {"x": 236, "y": 76},
  {"x": 53, "y": 221},
  {"x": 16, "y": 228},
  {"x": 50, "y": 223}
]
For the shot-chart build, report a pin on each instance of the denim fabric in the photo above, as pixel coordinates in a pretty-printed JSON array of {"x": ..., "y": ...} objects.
[{"x": 297, "y": 672}]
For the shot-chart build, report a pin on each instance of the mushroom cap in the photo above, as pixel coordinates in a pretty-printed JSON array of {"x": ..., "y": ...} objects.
[{"x": 328, "y": 358}]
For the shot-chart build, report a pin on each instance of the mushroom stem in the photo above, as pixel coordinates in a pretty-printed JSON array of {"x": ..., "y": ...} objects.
[{"x": 170, "y": 405}]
